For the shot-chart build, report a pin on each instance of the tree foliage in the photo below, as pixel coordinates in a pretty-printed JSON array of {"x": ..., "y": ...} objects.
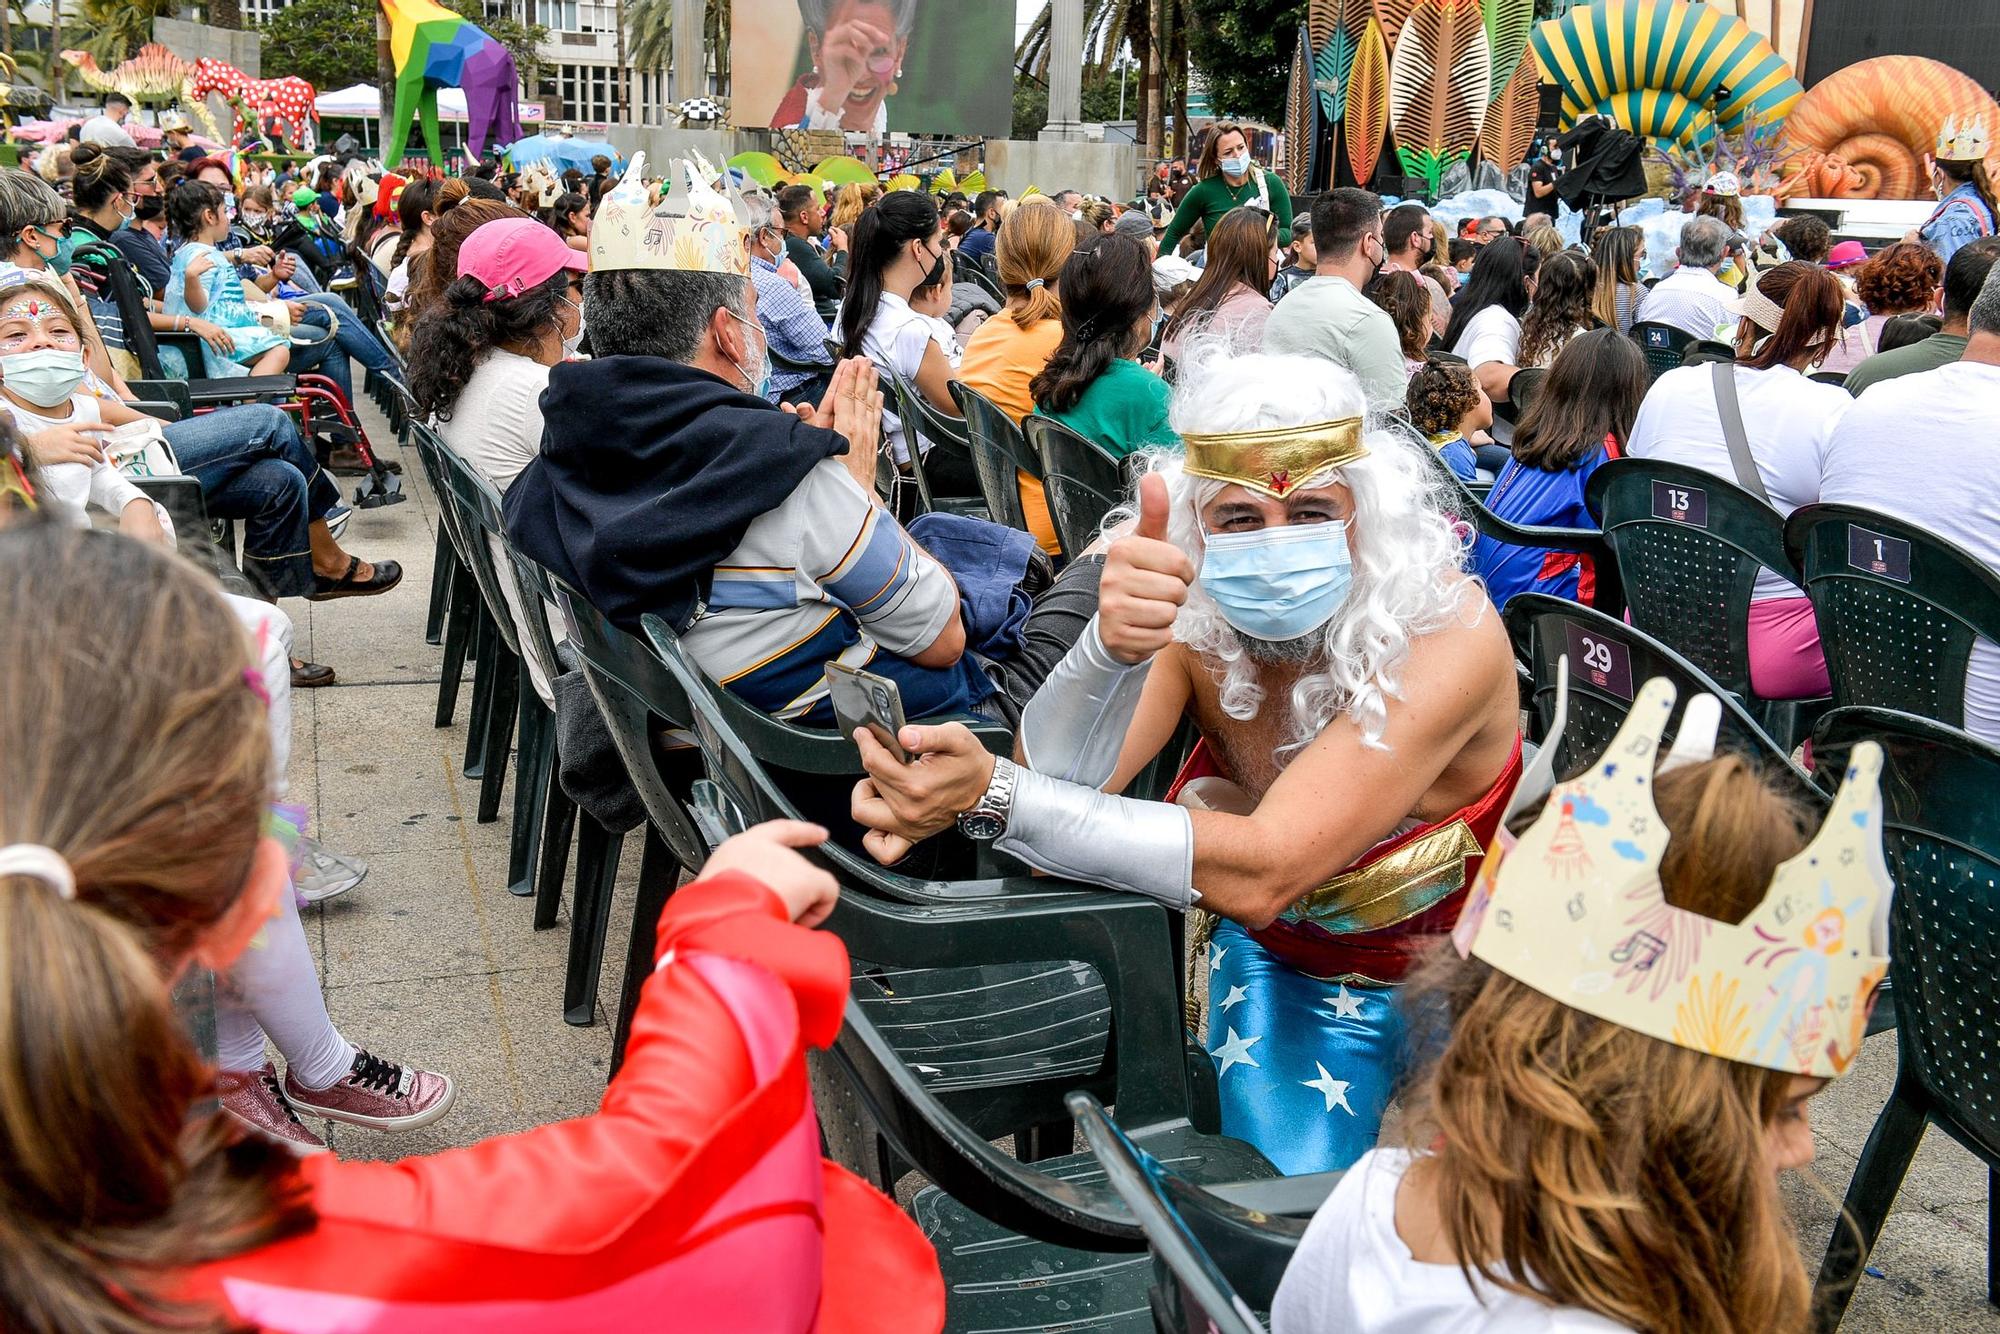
[
  {"x": 1243, "y": 51},
  {"x": 1100, "y": 101}
]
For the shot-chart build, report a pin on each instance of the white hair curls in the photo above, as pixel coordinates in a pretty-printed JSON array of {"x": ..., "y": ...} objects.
[{"x": 1406, "y": 550}]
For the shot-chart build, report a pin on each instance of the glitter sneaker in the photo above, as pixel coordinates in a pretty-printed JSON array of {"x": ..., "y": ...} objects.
[
  {"x": 253, "y": 1100},
  {"x": 324, "y": 874},
  {"x": 378, "y": 1094}
]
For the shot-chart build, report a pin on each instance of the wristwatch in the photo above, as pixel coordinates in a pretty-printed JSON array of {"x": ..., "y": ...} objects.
[{"x": 987, "y": 819}]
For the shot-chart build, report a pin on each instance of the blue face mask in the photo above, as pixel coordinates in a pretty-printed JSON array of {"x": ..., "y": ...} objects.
[
  {"x": 65, "y": 251},
  {"x": 1235, "y": 166},
  {"x": 1279, "y": 583}
]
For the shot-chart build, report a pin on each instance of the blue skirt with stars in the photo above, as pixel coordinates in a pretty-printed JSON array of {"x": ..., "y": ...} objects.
[{"x": 1306, "y": 1067}]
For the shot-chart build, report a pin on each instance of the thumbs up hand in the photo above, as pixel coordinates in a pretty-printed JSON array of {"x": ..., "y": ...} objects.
[{"x": 1145, "y": 581}]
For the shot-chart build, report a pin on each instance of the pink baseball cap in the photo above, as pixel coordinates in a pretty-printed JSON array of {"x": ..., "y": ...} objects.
[
  {"x": 1846, "y": 253},
  {"x": 513, "y": 255}
]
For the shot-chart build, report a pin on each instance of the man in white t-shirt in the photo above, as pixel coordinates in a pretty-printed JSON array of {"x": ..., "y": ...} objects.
[
  {"x": 1692, "y": 298},
  {"x": 109, "y": 128},
  {"x": 1327, "y": 316},
  {"x": 1921, "y": 449}
]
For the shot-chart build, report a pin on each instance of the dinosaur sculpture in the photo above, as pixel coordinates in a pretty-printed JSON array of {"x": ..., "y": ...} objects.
[
  {"x": 284, "y": 104},
  {"x": 154, "y": 75},
  {"x": 434, "y": 48}
]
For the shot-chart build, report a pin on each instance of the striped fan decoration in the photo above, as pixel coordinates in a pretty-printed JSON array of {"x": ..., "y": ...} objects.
[
  {"x": 1440, "y": 81},
  {"x": 1510, "y": 121},
  {"x": 1300, "y": 122},
  {"x": 1508, "y": 23},
  {"x": 1333, "y": 53},
  {"x": 1392, "y": 15},
  {"x": 1368, "y": 102}
]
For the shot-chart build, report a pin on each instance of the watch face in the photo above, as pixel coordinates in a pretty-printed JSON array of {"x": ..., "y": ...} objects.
[{"x": 981, "y": 825}]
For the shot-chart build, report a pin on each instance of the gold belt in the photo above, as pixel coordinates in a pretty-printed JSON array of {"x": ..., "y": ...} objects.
[{"x": 1395, "y": 886}]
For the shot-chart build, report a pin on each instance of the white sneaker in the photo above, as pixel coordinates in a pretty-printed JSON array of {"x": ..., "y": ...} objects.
[{"x": 323, "y": 874}]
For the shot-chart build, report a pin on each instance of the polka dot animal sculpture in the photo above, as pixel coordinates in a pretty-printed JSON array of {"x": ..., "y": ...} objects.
[{"x": 284, "y": 105}]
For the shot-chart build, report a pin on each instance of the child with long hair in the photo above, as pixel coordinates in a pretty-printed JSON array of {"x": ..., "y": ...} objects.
[
  {"x": 1405, "y": 299},
  {"x": 1565, "y": 287},
  {"x": 1231, "y": 299},
  {"x": 1594, "y": 1162},
  {"x": 1093, "y": 384},
  {"x": 132, "y": 847},
  {"x": 1581, "y": 416},
  {"x": 1620, "y": 256}
]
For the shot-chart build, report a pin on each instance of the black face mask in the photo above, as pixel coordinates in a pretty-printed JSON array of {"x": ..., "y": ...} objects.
[
  {"x": 146, "y": 208},
  {"x": 936, "y": 275}
]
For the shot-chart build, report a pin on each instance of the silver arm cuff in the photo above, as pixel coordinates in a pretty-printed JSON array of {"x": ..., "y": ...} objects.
[
  {"x": 1145, "y": 847},
  {"x": 1075, "y": 725}
]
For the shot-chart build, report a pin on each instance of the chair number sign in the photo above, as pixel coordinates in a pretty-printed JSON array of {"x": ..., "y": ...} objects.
[
  {"x": 1878, "y": 553},
  {"x": 1680, "y": 504},
  {"x": 1605, "y": 663}
]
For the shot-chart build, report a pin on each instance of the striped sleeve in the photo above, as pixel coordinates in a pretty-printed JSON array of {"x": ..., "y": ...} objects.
[{"x": 863, "y": 560}]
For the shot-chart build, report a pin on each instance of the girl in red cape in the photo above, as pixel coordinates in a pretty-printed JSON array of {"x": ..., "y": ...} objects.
[{"x": 131, "y": 847}]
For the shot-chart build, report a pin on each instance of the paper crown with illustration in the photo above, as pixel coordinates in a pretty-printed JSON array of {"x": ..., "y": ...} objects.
[
  {"x": 1574, "y": 908},
  {"x": 1962, "y": 140},
  {"x": 696, "y": 227}
]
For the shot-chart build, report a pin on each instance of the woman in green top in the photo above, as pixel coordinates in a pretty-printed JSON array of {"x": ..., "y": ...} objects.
[
  {"x": 1092, "y": 384},
  {"x": 1229, "y": 179}
]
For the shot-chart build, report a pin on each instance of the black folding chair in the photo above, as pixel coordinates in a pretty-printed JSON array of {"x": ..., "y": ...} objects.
[
  {"x": 1000, "y": 455},
  {"x": 1664, "y": 345},
  {"x": 1081, "y": 482}
]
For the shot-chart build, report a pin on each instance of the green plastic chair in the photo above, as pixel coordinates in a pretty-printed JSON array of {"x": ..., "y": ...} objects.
[
  {"x": 463, "y": 614},
  {"x": 1608, "y": 661},
  {"x": 929, "y": 431},
  {"x": 1665, "y": 346},
  {"x": 640, "y": 703},
  {"x": 1048, "y": 1244},
  {"x": 1000, "y": 454},
  {"x": 1468, "y": 508},
  {"x": 1081, "y": 481},
  {"x": 1690, "y": 546},
  {"x": 1898, "y": 608},
  {"x": 1943, "y": 847},
  {"x": 1216, "y": 1261},
  {"x": 445, "y": 569}
]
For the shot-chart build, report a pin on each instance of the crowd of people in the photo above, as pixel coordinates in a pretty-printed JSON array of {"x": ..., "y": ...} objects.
[{"x": 697, "y": 400}]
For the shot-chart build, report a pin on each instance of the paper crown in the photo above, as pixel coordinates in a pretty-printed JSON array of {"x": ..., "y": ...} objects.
[
  {"x": 695, "y": 228},
  {"x": 1962, "y": 141},
  {"x": 1274, "y": 461},
  {"x": 1574, "y": 909}
]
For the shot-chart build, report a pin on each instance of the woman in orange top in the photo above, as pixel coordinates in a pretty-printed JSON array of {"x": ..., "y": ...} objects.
[
  {"x": 133, "y": 846},
  {"x": 1007, "y": 352}
]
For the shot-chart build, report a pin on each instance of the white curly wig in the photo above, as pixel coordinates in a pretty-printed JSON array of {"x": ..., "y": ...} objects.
[{"x": 1406, "y": 549}]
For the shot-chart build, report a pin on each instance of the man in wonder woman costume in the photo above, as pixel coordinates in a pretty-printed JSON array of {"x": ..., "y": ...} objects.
[{"x": 1292, "y": 587}]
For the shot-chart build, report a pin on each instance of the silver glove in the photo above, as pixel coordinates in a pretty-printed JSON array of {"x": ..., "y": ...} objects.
[
  {"x": 1075, "y": 725},
  {"x": 1145, "y": 847}
]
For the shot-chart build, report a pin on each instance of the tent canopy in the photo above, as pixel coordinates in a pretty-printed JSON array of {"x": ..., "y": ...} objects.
[{"x": 361, "y": 101}]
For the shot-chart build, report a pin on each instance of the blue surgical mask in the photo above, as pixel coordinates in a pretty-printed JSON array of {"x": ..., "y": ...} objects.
[
  {"x": 1277, "y": 584},
  {"x": 45, "y": 377},
  {"x": 65, "y": 251},
  {"x": 1236, "y": 166}
]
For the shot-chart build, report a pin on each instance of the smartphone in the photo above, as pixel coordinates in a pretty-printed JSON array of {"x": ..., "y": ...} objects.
[{"x": 862, "y": 699}]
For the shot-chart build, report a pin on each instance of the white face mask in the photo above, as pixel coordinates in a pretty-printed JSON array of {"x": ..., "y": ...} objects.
[{"x": 569, "y": 344}]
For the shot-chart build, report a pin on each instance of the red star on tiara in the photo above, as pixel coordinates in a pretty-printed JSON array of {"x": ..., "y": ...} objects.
[{"x": 1281, "y": 481}]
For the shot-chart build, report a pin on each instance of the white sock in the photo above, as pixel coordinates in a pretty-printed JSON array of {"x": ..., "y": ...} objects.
[{"x": 279, "y": 987}]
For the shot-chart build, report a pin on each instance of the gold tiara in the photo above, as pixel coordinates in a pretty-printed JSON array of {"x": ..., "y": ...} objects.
[{"x": 1277, "y": 459}]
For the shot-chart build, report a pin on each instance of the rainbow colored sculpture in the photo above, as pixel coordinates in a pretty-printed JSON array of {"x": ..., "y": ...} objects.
[
  {"x": 1655, "y": 67},
  {"x": 1864, "y": 131},
  {"x": 434, "y": 48}
]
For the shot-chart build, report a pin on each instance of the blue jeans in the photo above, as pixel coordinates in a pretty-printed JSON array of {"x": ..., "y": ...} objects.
[
  {"x": 253, "y": 466},
  {"x": 351, "y": 338}
]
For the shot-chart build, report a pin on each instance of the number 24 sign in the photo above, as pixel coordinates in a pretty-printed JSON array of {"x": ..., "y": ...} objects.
[{"x": 1603, "y": 662}]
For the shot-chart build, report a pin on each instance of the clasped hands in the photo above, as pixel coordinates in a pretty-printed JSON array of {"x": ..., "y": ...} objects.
[{"x": 1145, "y": 583}]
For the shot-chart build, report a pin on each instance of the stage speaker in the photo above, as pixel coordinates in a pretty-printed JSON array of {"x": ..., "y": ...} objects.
[
  {"x": 1845, "y": 32},
  {"x": 1548, "y": 113}
]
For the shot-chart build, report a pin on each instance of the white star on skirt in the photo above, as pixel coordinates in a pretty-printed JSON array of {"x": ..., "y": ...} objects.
[
  {"x": 1346, "y": 1005},
  {"x": 1215, "y": 953},
  {"x": 1236, "y": 1051},
  {"x": 1334, "y": 1089},
  {"x": 1236, "y": 996}
]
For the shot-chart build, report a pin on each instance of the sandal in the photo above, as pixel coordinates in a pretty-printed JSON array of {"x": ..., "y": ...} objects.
[{"x": 387, "y": 575}]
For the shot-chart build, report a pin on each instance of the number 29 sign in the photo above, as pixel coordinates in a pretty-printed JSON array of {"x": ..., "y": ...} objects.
[{"x": 1604, "y": 663}]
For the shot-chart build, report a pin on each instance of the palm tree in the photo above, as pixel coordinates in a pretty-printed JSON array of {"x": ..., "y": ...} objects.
[
  {"x": 1109, "y": 25},
  {"x": 120, "y": 27}
]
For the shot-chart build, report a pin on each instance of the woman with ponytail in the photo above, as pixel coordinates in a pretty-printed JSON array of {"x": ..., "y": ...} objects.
[
  {"x": 1005, "y": 354},
  {"x": 132, "y": 849},
  {"x": 1093, "y": 384},
  {"x": 1791, "y": 317},
  {"x": 896, "y": 248}
]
